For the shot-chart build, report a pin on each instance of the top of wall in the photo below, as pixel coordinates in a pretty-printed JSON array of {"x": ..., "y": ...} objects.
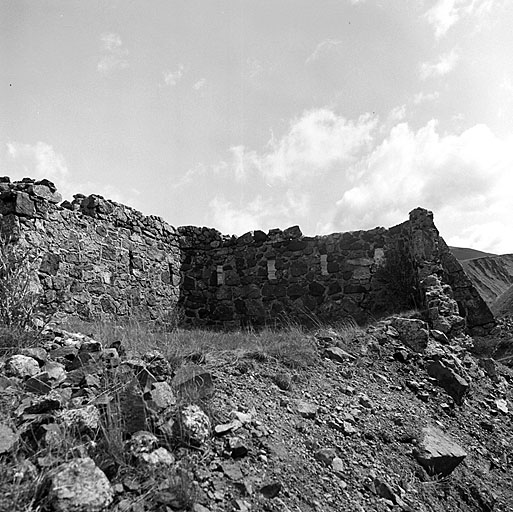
[{"x": 30, "y": 198}]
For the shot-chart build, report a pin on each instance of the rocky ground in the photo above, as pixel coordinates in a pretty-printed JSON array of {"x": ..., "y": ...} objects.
[{"x": 392, "y": 417}]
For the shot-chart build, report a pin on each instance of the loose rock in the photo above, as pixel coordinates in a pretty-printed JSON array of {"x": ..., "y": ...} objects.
[
  {"x": 437, "y": 453},
  {"x": 79, "y": 486}
]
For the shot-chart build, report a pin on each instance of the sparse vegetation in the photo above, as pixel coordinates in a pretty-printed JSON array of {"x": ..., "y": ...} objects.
[
  {"x": 22, "y": 315},
  {"x": 263, "y": 375},
  {"x": 19, "y": 293}
]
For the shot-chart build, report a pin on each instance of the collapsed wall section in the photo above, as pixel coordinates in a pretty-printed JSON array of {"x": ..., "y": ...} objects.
[
  {"x": 97, "y": 258},
  {"x": 432, "y": 256}
]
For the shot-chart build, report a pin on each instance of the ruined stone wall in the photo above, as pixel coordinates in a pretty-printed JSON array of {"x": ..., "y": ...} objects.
[
  {"x": 431, "y": 255},
  {"x": 283, "y": 276},
  {"x": 101, "y": 259},
  {"x": 97, "y": 258}
]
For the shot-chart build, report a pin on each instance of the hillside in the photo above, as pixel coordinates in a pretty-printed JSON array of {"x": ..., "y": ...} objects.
[
  {"x": 503, "y": 304},
  {"x": 491, "y": 275},
  {"x": 343, "y": 419},
  {"x": 465, "y": 253}
]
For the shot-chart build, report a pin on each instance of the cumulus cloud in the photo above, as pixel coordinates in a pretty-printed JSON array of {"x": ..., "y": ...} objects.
[
  {"x": 464, "y": 178},
  {"x": 39, "y": 160},
  {"x": 314, "y": 143},
  {"x": 171, "y": 78},
  {"x": 446, "y": 13},
  {"x": 323, "y": 48},
  {"x": 114, "y": 55},
  {"x": 440, "y": 67},
  {"x": 329, "y": 173},
  {"x": 259, "y": 213}
]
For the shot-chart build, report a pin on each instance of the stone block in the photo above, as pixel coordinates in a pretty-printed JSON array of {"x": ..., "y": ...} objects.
[
  {"x": 455, "y": 385},
  {"x": 437, "y": 453}
]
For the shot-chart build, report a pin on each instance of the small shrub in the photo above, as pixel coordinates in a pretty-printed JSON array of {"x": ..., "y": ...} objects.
[{"x": 19, "y": 290}]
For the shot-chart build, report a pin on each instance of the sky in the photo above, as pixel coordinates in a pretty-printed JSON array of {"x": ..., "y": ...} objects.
[{"x": 334, "y": 115}]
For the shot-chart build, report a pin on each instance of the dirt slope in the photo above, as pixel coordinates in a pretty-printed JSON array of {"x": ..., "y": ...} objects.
[{"x": 287, "y": 434}]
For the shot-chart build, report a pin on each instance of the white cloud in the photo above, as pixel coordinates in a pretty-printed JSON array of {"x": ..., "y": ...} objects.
[
  {"x": 441, "y": 67},
  {"x": 397, "y": 114},
  {"x": 423, "y": 97},
  {"x": 199, "y": 84},
  {"x": 114, "y": 55},
  {"x": 38, "y": 161},
  {"x": 322, "y": 49},
  {"x": 446, "y": 13},
  {"x": 41, "y": 160},
  {"x": 171, "y": 78},
  {"x": 314, "y": 143},
  {"x": 464, "y": 178},
  {"x": 259, "y": 213}
]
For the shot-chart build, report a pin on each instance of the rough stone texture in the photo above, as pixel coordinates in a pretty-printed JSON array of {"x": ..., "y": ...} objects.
[
  {"x": 455, "y": 385},
  {"x": 8, "y": 438},
  {"x": 437, "y": 453},
  {"x": 83, "y": 419},
  {"x": 412, "y": 332},
  {"x": 100, "y": 259},
  {"x": 160, "y": 456},
  {"x": 21, "y": 366},
  {"x": 79, "y": 486},
  {"x": 257, "y": 278},
  {"x": 194, "y": 424}
]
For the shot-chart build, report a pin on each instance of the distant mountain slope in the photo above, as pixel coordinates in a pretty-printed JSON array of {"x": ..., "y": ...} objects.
[
  {"x": 464, "y": 253},
  {"x": 503, "y": 305},
  {"x": 491, "y": 275}
]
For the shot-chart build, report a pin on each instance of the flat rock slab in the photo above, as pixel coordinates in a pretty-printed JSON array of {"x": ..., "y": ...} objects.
[
  {"x": 306, "y": 409},
  {"x": 437, "y": 453},
  {"x": 193, "y": 381},
  {"x": 339, "y": 355},
  {"x": 455, "y": 385}
]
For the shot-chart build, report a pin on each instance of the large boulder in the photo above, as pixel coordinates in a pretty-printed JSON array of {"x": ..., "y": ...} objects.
[{"x": 437, "y": 453}]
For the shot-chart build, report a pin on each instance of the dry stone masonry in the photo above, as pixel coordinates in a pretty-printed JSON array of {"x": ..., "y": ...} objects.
[
  {"x": 97, "y": 258},
  {"x": 101, "y": 259}
]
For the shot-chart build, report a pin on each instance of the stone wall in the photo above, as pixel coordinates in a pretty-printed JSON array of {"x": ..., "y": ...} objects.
[
  {"x": 102, "y": 259},
  {"x": 280, "y": 276},
  {"x": 97, "y": 258},
  {"x": 432, "y": 256}
]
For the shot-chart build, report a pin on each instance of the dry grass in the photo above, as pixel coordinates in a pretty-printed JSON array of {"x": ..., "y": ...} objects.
[{"x": 291, "y": 345}]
